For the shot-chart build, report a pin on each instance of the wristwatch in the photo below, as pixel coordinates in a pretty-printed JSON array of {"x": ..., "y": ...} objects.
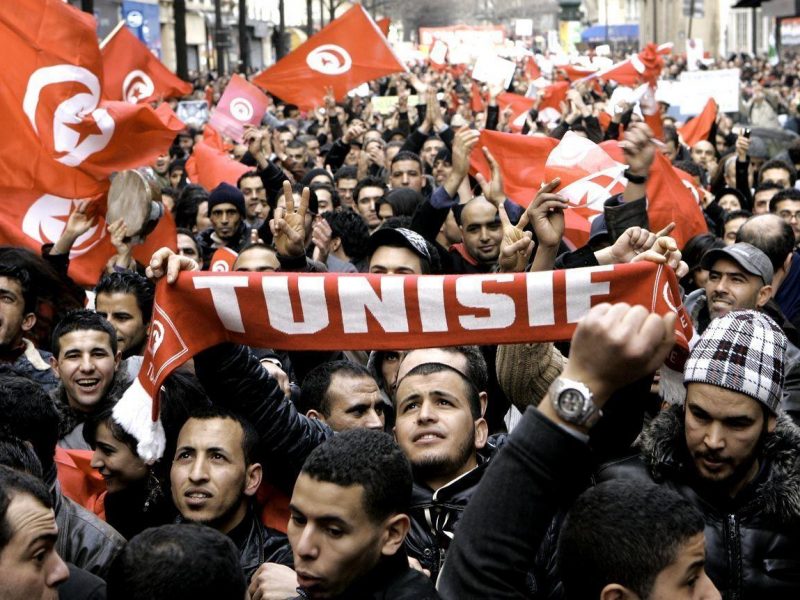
[{"x": 573, "y": 402}]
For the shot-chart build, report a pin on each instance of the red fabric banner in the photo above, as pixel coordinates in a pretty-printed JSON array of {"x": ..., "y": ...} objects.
[
  {"x": 223, "y": 259},
  {"x": 133, "y": 74},
  {"x": 241, "y": 104},
  {"x": 66, "y": 140},
  {"x": 344, "y": 54},
  {"x": 209, "y": 166},
  {"x": 329, "y": 311},
  {"x": 697, "y": 128}
]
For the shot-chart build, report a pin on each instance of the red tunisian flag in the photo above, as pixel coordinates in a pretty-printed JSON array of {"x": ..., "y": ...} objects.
[
  {"x": 30, "y": 219},
  {"x": 671, "y": 197},
  {"x": 698, "y": 128},
  {"x": 223, "y": 259},
  {"x": 344, "y": 54},
  {"x": 521, "y": 159},
  {"x": 644, "y": 67},
  {"x": 532, "y": 70},
  {"x": 133, "y": 74},
  {"x": 520, "y": 105},
  {"x": 66, "y": 140},
  {"x": 210, "y": 166},
  {"x": 383, "y": 24},
  {"x": 241, "y": 104}
]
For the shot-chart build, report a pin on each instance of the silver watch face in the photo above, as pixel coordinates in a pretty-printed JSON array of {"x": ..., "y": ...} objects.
[{"x": 571, "y": 401}]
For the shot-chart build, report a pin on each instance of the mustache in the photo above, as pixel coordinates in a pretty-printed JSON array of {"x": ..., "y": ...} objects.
[{"x": 712, "y": 456}]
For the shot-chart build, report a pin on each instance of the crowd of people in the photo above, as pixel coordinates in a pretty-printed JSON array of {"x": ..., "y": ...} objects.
[{"x": 534, "y": 470}]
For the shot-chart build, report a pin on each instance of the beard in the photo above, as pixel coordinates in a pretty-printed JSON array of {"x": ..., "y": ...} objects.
[{"x": 438, "y": 466}]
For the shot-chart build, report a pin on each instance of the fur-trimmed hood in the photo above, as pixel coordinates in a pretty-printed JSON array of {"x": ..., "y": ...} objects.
[{"x": 663, "y": 451}]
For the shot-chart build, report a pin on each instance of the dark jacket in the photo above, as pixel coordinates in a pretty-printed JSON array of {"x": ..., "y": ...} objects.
[
  {"x": 753, "y": 540},
  {"x": 391, "y": 579},
  {"x": 209, "y": 243},
  {"x": 83, "y": 539},
  {"x": 435, "y": 515},
  {"x": 35, "y": 365},
  {"x": 82, "y": 585},
  {"x": 234, "y": 378},
  {"x": 258, "y": 544},
  {"x": 539, "y": 472}
]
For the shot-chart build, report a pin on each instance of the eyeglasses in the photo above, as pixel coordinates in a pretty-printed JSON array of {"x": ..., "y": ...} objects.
[{"x": 788, "y": 215}]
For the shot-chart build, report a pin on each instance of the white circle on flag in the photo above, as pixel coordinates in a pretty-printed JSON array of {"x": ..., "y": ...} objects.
[
  {"x": 46, "y": 219},
  {"x": 137, "y": 86},
  {"x": 329, "y": 59},
  {"x": 220, "y": 266},
  {"x": 135, "y": 19},
  {"x": 75, "y": 146},
  {"x": 241, "y": 109}
]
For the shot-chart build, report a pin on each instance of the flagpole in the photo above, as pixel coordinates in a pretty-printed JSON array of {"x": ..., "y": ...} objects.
[{"x": 112, "y": 34}]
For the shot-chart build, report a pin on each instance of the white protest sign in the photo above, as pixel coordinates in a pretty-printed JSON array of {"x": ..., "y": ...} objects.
[
  {"x": 438, "y": 53},
  {"x": 493, "y": 69},
  {"x": 693, "y": 90},
  {"x": 694, "y": 53}
]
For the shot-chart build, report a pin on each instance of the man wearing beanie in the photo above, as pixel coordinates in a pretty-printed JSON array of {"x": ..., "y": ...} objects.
[
  {"x": 227, "y": 214},
  {"x": 734, "y": 454}
]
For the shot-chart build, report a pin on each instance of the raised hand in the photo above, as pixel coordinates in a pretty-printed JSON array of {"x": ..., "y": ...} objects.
[
  {"x": 546, "y": 215},
  {"x": 638, "y": 148},
  {"x": 288, "y": 225}
]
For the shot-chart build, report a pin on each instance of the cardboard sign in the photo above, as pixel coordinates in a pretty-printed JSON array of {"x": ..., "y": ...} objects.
[
  {"x": 493, "y": 69},
  {"x": 193, "y": 112}
]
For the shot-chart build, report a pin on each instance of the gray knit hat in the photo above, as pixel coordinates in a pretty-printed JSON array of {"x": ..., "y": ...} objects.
[{"x": 742, "y": 351}]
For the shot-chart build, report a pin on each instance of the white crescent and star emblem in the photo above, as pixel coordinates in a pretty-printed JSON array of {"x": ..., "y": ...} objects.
[
  {"x": 329, "y": 59},
  {"x": 137, "y": 86},
  {"x": 80, "y": 128},
  {"x": 47, "y": 217}
]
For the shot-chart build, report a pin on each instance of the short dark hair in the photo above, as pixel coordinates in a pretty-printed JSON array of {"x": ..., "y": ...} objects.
[
  {"x": 368, "y": 181},
  {"x": 785, "y": 194},
  {"x": 320, "y": 185},
  {"x": 623, "y": 532},
  {"x": 406, "y": 155},
  {"x": 23, "y": 277},
  {"x": 477, "y": 369},
  {"x": 27, "y": 412},
  {"x": 690, "y": 167},
  {"x": 82, "y": 320},
  {"x": 345, "y": 172},
  {"x": 314, "y": 391},
  {"x": 777, "y": 241},
  {"x": 404, "y": 201},
  {"x": 765, "y": 186},
  {"x": 736, "y": 214},
  {"x": 371, "y": 459},
  {"x": 697, "y": 246},
  {"x": 177, "y": 562},
  {"x": 473, "y": 396},
  {"x": 129, "y": 282},
  {"x": 13, "y": 482},
  {"x": 777, "y": 163},
  {"x": 246, "y": 175},
  {"x": 250, "y": 439},
  {"x": 350, "y": 228},
  {"x": 19, "y": 455}
]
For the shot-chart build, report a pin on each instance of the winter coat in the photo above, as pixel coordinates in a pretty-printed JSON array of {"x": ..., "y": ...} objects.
[{"x": 753, "y": 540}]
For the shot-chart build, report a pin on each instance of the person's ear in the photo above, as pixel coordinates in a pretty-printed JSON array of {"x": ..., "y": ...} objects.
[
  {"x": 615, "y": 591},
  {"x": 117, "y": 359},
  {"x": 252, "y": 479},
  {"x": 771, "y": 421},
  {"x": 764, "y": 294},
  {"x": 54, "y": 366},
  {"x": 481, "y": 433},
  {"x": 788, "y": 262},
  {"x": 28, "y": 321},
  {"x": 336, "y": 243},
  {"x": 313, "y": 414},
  {"x": 394, "y": 533}
]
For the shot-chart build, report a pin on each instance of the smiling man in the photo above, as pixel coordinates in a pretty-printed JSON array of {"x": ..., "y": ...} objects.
[
  {"x": 214, "y": 477},
  {"x": 85, "y": 360}
]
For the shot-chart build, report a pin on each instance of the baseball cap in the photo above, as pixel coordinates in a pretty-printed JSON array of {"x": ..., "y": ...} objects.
[
  {"x": 747, "y": 256},
  {"x": 400, "y": 236}
]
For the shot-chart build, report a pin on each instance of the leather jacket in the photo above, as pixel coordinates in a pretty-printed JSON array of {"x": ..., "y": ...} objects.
[
  {"x": 258, "y": 544},
  {"x": 435, "y": 515},
  {"x": 83, "y": 539},
  {"x": 753, "y": 540}
]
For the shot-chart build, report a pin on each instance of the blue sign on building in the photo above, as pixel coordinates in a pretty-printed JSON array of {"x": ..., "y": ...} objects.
[{"x": 142, "y": 20}]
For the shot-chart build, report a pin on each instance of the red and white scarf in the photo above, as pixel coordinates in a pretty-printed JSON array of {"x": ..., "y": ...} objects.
[{"x": 327, "y": 311}]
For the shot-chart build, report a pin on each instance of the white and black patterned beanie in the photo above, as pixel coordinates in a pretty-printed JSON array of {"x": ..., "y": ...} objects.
[{"x": 743, "y": 351}]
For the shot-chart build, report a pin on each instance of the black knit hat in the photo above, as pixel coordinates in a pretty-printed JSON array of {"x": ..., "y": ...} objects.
[{"x": 225, "y": 193}]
